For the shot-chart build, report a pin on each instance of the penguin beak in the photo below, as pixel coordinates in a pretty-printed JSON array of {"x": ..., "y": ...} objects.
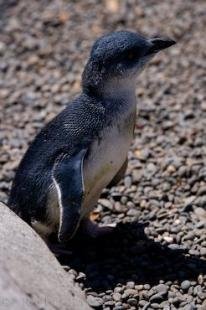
[{"x": 158, "y": 44}]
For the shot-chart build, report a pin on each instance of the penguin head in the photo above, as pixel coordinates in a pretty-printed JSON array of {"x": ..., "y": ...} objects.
[{"x": 120, "y": 55}]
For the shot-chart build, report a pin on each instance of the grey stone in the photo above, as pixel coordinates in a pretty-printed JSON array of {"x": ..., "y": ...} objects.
[
  {"x": 129, "y": 293},
  {"x": 127, "y": 181},
  {"x": 29, "y": 271},
  {"x": 157, "y": 297},
  {"x": 200, "y": 213},
  {"x": 161, "y": 288},
  {"x": 133, "y": 213},
  {"x": 109, "y": 303},
  {"x": 174, "y": 246},
  {"x": 117, "y": 296},
  {"x": 94, "y": 302},
  {"x": 106, "y": 203},
  {"x": 130, "y": 284},
  {"x": 203, "y": 251},
  {"x": 132, "y": 301},
  {"x": 185, "y": 285}
]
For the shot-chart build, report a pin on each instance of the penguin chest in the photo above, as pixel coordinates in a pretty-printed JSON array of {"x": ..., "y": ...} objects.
[{"x": 106, "y": 157}]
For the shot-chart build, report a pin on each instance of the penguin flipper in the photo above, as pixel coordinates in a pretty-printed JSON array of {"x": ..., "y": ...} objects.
[
  {"x": 120, "y": 174},
  {"x": 68, "y": 180}
]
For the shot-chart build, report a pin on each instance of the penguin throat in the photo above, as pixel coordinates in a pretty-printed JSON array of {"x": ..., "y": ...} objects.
[{"x": 118, "y": 88}]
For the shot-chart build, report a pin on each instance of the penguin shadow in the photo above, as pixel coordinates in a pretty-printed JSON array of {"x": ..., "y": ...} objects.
[{"x": 129, "y": 255}]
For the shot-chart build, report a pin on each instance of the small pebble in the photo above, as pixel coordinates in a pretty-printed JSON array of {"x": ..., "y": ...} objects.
[
  {"x": 185, "y": 285},
  {"x": 94, "y": 302}
]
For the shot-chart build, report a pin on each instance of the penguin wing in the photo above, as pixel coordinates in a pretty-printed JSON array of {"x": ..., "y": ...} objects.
[
  {"x": 68, "y": 179},
  {"x": 120, "y": 174}
]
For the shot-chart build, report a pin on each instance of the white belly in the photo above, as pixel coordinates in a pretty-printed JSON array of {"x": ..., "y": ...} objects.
[{"x": 106, "y": 158}]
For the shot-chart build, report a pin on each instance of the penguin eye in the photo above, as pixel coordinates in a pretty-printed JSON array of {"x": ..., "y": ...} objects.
[{"x": 131, "y": 55}]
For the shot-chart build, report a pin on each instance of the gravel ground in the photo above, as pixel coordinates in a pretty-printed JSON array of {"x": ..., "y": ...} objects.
[{"x": 156, "y": 257}]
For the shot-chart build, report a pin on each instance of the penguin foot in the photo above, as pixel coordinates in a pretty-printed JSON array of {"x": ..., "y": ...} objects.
[
  {"x": 59, "y": 249},
  {"x": 93, "y": 230}
]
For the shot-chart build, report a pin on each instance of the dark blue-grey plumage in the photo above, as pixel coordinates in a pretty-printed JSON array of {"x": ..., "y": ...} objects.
[
  {"x": 70, "y": 131},
  {"x": 113, "y": 49}
]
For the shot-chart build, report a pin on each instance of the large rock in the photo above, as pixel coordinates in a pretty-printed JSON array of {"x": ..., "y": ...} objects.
[{"x": 30, "y": 276}]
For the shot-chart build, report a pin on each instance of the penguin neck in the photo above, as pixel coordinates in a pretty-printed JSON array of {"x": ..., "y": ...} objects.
[
  {"x": 118, "y": 89},
  {"x": 104, "y": 86}
]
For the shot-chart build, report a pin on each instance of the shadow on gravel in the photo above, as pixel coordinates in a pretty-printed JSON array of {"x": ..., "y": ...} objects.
[{"x": 128, "y": 255}]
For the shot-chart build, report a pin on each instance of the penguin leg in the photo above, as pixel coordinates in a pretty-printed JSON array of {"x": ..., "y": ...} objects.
[
  {"x": 68, "y": 180},
  {"x": 59, "y": 249},
  {"x": 120, "y": 174},
  {"x": 93, "y": 230}
]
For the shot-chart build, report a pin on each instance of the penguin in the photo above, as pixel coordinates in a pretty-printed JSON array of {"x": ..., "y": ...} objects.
[{"x": 84, "y": 148}]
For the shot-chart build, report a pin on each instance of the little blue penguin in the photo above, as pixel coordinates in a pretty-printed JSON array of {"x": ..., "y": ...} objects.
[{"x": 84, "y": 148}]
